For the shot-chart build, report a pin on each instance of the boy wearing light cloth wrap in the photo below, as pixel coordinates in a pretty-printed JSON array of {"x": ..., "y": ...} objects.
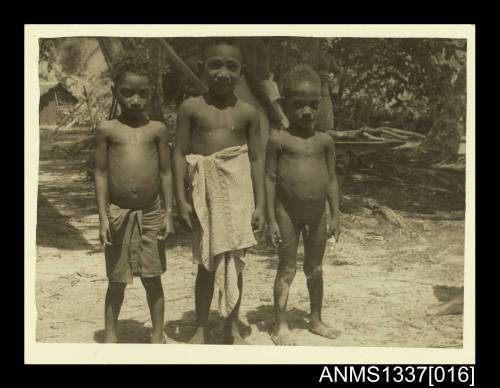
[{"x": 218, "y": 144}]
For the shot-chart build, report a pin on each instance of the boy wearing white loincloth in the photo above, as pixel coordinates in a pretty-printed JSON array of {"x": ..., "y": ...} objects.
[{"x": 218, "y": 144}]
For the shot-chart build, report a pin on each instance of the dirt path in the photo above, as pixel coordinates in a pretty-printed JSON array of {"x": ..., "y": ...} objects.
[{"x": 379, "y": 279}]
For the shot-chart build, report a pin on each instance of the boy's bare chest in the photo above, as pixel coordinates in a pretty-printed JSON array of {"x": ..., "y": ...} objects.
[
  {"x": 133, "y": 138},
  {"x": 303, "y": 149},
  {"x": 210, "y": 120}
]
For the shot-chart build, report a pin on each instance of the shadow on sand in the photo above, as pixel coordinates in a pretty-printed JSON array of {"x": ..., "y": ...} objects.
[
  {"x": 451, "y": 301},
  {"x": 445, "y": 293},
  {"x": 55, "y": 230},
  {"x": 181, "y": 330},
  {"x": 130, "y": 331},
  {"x": 263, "y": 318}
]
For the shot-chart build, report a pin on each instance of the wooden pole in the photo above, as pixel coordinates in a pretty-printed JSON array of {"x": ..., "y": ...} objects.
[
  {"x": 88, "y": 106},
  {"x": 57, "y": 105},
  {"x": 181, "y": 65},
  {"x": 105, "y": 53},
  {"x": 112, "y": 110}
]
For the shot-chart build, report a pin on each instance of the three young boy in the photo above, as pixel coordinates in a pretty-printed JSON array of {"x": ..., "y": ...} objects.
[{"x": 222, "y": 180}]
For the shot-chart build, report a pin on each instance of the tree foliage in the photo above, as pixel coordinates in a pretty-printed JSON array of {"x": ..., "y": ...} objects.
[
  {"x": 403, "y": 78},
  {"x": 417, "y": 84}
]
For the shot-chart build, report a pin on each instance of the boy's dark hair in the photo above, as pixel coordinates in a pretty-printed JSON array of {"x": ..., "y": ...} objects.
[
  {"x": 132, "y": 62},
  {"x": 216, "y": 40},
  {"x": 298, "y": 74}
]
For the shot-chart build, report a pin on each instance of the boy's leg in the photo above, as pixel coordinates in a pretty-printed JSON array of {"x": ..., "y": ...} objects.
[
  {"x": 156, "y": 303},
  {"x": 231, "y": 331},
  {"x": 287, "y": 268},
  {"x": 203, "y": 293},
  {"x": 112, "y": 306},
  {"x": 314, "y": 249}
]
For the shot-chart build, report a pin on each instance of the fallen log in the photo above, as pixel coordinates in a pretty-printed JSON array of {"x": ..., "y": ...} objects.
[
  {"x": 388, "y": 132},
  {"x": 345, "y": 135},
  {"x": 453, "y": 215},
  {"x": 354, "y": 134},
  {"x": 371, "y": 137},
  {"x": 394, "y": 135},
  {"x": 404, "y": 132}
]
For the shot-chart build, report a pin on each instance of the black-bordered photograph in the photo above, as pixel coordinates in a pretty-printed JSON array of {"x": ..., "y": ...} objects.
[{"x": 257, "y": 189}]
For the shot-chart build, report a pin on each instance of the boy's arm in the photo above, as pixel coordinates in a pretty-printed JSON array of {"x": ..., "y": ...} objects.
[
  {"x": 259, "y": 93},
  {"x": 101, "y": 181},
  {"x": 256, "y": 156},
  {"x": 270, "y": 184},
  {"x": 166, "y": 180},
  {"x": 253, "y": 53},
  {"x": 333, "y": 188},
  {"x": 182, "y": 145}
]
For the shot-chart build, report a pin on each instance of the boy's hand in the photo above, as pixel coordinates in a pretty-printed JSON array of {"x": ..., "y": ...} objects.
[
  {"x": 167, "y": 228},
  {"x": 334, "y": 228},
  {"x": 105, "y": 233},
  {"x": 274, "y": 234},
  {"x": 258, "y": 221},
  {"x": 186, "y": 214},
  {"x": 284, "y": 124}
]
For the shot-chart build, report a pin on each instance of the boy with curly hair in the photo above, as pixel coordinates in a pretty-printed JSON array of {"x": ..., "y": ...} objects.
[
  {"x": 132, "y": 170},
  {"x": 300, "y": 177}
]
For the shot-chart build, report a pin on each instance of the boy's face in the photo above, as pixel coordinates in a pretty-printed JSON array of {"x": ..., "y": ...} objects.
[
  {"x": 133, "y": 92},
  {"x": 222, "y": 68},
  {"x": 302, "y": 105}
]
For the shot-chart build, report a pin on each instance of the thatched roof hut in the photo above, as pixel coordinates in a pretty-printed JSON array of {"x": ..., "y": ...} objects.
[{"x": 53, "y": 94}]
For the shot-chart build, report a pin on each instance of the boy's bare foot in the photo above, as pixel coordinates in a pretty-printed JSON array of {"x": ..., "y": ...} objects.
[
  {"x": 323, "y": 330},
  {"x": 110, "y": 338},
  {"x": 282, "y": 336},
  {"x": 158, "y": 339},
  {"x": 198, "y": 337}
]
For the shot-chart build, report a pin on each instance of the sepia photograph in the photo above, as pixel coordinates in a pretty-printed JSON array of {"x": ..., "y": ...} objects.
[{"x": 278, "y": 191}]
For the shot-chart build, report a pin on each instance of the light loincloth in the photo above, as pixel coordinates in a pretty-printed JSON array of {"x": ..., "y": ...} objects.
[
  {"x": 223, "y": 201},
  {"x": 135, "y": 249}
]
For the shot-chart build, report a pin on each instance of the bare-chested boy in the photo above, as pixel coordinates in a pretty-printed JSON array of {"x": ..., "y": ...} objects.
[
  {"x": 132, "y": 169},
  {"x": 300, "y": 176},
  {"x": 218, "y": 144}
]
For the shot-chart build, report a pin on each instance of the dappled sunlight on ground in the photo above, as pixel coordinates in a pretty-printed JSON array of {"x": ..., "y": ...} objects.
[{"x": 379, "y": 279}]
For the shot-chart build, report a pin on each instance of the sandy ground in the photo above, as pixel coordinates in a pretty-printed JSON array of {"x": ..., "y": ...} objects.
[{"x": 379, "y": 279}]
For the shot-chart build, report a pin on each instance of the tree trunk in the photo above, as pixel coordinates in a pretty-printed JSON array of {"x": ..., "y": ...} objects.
[{"x": 111, "y": 48}]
